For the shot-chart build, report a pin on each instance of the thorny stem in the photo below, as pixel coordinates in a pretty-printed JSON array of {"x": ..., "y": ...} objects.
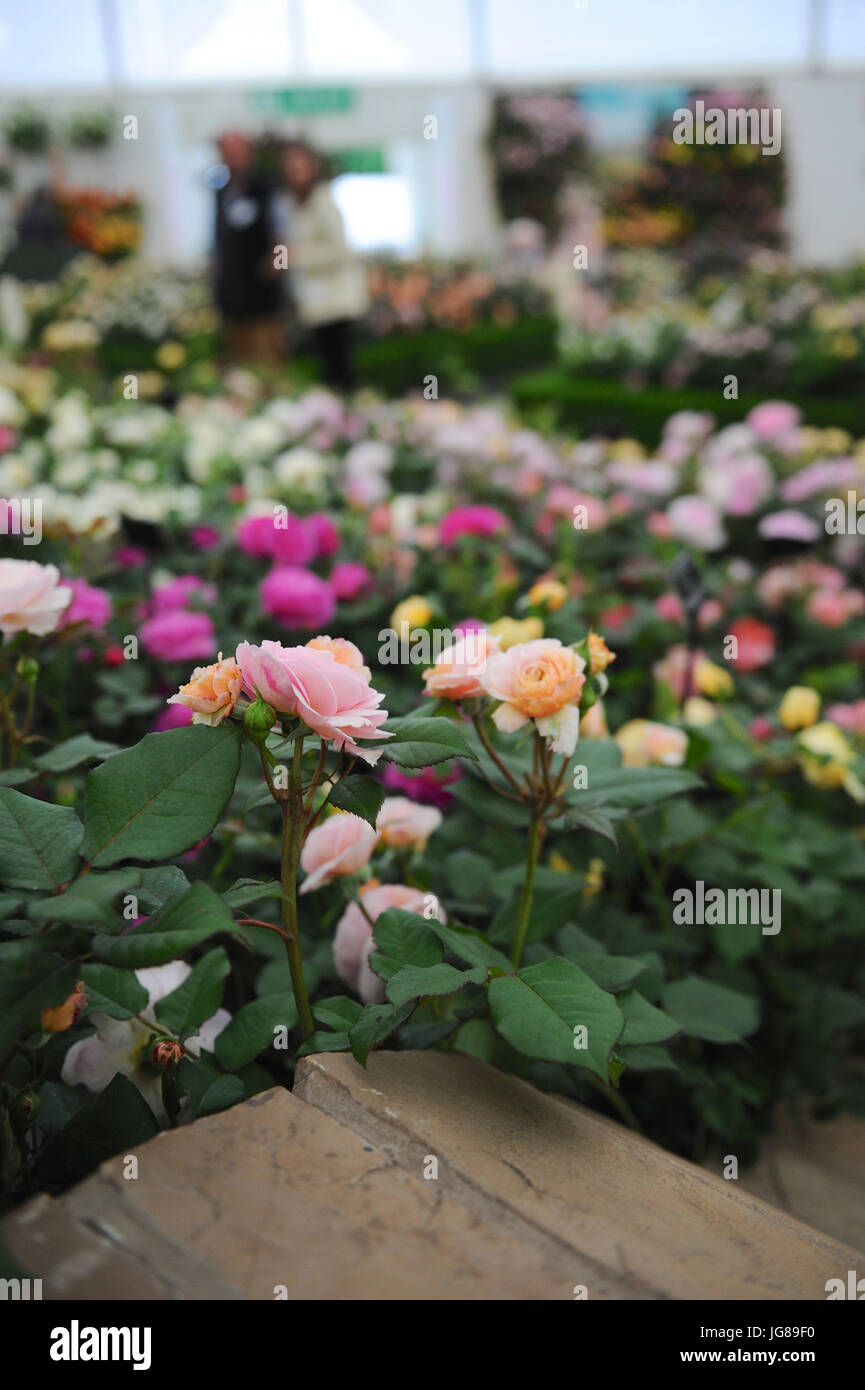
[
  {"x": 503, "y": 769},
  {"x": 525, "y": 907},
  {"x": 292, "y": 838}
]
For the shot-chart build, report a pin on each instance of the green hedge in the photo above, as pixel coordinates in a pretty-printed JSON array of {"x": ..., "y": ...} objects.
[
  {"x": 400, "y": 362},
  {"x": 594, "y": 407}
]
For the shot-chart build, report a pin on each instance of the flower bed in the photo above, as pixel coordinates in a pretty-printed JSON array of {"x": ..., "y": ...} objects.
[{"x": 499, "y": 724}]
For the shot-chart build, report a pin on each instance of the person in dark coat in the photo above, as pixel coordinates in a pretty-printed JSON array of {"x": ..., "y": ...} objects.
[{"x": 246, "y": 283}]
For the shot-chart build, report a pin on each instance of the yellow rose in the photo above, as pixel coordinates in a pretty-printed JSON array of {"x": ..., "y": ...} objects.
[
  {"x": 58, "y": 1019},
  {"x": 697, "y": 712},
  {"x": 712, "y": 680},
  {"x": 647, "y": 744},
  {"x": 512, "y": 630},
  {"x": 548, "y": 593},
  {"x": 799, "y": 708},
  {"x": 411, "y": 613},
  {"x": 170, "y": 356},
  {"x": 826, "y": 759}
]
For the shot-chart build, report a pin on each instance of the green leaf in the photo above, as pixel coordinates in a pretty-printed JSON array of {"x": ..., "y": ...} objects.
[
  {"x": 251, "y": 890},
  {"x": 87, "y": 901},
  {"x": 593, "y": 820},
  {"x": 633, "y": 787},
  {"x": 209, "y": 1089},
  {"x": 160, "y": 886},
  {"x": 252, "y": 1029},
  {"x": 374, "y": 1025},
  {"x": 75, "y": 751},
  {"x": 340, "y": 1012},
  {"x": 421, "y": 742},
  {"x": 711, "y": 1011},
  {"x": 184, "y": 923},
  {"x": 644, "y": 1023},
  {"x": 470, "y": 945},
  {"x": 112, "y": 991},
  {"x": 324, "y": 1042},
  {"x": 360, "y": 795},
  {"x": 539, "y": 1010},
  {"x": 647, "y": 1058},
  {"x": 114, "y": 1122},
  {"x": 613, "y": 973},
  {"x": 421, "y": 982},
  {"x": 402, "y": 938},
  {"x": 198, "y": 998},
  {"x": 38, "y": 841},
  {"x": 161, "y": 797}
]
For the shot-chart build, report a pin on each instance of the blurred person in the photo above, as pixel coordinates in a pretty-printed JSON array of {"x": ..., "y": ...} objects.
[
  {"x": 246, "y": 284},
  {"x": 329, "y": 280}
]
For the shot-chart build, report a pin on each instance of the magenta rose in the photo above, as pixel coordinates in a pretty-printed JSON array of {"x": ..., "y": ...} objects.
[
  {"x": 297, "y": 597},
  {"x": 177, "y": 592},
  {"x": 178, "y": 636},
  {"x": 477, "y": 520},
  {"x": 349, "y": 580},
  {"x": 89, "y": 605},
  {"x": 291, "y": 541},
  {"x": 335, "y": 700},
  {"x": 325, "y": 536}
]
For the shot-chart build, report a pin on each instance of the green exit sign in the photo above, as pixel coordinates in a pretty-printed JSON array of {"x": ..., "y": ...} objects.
[{"x": 304, "y": 101}]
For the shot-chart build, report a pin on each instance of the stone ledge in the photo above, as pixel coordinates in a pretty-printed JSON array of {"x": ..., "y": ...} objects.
[{"x": 323, "y": 1192}]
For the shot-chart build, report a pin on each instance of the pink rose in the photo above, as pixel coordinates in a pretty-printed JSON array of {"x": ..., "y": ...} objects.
[
  {"x": 696, "y": 520},
  {"x": 204, "y": 537},
  {"x": 174, "y": 717},
  {"x": 402, "y": 822},
  {"x": 297, "y": 597},
  {"x": 31, "y": 597},
  {"x": 458, "y": 671},
  {"x": 349, "y": 580},
  {"x": 755, "y": 643},
  {"x": 291, "y": 540},
  {"x": 738, "y": 485},
  {"x": 178, "y": 636},
  {"x": 833, "y": 608},
  {"x": 340, "y": 845},
  {"x": 772, "y": 418},
  {"x": 325, "y": 536},
  {"x": 476, "y": 520},
  {"x": 129, "y": 556},
  {"x": 353, "y": 943},
  {"x": 89, "y": 605},
  {"x": 788, "y": 525},
  {"x": 177, "y": 592},
  {"x": 332, "y": 698}
]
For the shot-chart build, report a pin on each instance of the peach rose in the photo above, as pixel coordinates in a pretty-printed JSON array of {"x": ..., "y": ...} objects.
[
  {"x": 600, "y": 655},
  {"x": 647, "y": 744},
  {"x": 332, "y": 698},
  {"x": 345, "y": 652},
  {"x": 457, "y": 673},
  {"x": 540, "y": 680},
  {"x": 340, "y": 845},
  {"x": 353, "y": 943},
  {"x": 212, "y": 692},
  {"x": 31, "y": 597},
  {"x": 402, "y": 822},
  {"x": 58, "y": 1019}
]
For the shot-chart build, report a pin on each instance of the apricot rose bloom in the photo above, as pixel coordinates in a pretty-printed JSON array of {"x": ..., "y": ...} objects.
[
  {"x": 540, "y": 680},
  {"x": 402, "y": 822},
  {"x": 645, "y": 743},
  {"x": 345, "y": 652},
  {"x": 600, "y": 655},
  {"x": 340, "y": 845},
  {"x": 334, "y": 700},
  {"x": 58, "y": 1019},
  {"x": 212, "y": 692},
  {"x": 458, "y": 671}
]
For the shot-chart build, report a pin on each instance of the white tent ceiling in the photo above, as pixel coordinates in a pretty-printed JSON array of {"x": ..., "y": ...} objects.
[{"x": 91, "y": 43}]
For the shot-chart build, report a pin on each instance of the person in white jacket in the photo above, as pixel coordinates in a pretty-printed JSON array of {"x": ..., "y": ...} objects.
[{"x": 328, "y": 279}]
